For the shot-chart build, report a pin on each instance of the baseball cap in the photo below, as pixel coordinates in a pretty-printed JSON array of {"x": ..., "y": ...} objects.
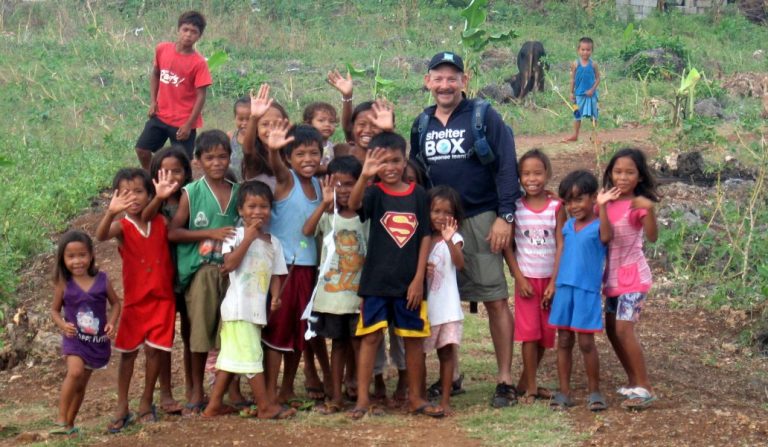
[{"x": 446, "y": 57}]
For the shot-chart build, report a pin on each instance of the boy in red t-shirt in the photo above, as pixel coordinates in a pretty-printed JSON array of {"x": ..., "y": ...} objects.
[{"x": 177, "y": 88}]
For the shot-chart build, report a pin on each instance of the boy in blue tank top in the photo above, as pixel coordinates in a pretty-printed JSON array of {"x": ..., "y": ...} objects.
[
  {"x": 585, "y": 77},
  {"x": 297, "y": 194}
]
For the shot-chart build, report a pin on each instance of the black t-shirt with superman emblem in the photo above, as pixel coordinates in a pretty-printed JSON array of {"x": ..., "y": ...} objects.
[{"x": 399, "y": 221}]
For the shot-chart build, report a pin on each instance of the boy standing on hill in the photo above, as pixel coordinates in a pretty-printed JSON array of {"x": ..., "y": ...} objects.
[{"x": 177, "y": 88}]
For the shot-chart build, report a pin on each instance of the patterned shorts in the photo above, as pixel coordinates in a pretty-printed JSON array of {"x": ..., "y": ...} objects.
[{"x": 627, "y": 306}]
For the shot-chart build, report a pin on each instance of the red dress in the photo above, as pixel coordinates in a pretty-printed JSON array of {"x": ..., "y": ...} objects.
[{"x": 149, "y": 305}]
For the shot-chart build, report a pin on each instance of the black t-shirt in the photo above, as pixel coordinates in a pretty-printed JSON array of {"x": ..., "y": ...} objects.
[{"x": 399, "y": 221}]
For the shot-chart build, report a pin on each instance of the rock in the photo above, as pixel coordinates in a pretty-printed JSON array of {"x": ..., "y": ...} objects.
[
  {"x": 45, "y": 344},
  {"x": 501, "y": 93},
  {"x": 690, "y": 164},
  {"x": 709, "y": 107},
  {"x": 498, "y": 58},
  {"x": 28, "y": 436},
  {"x": 659, "y": 58},
  {"x": 758, "y": 55},
  {"x": 691, "y": 219}
]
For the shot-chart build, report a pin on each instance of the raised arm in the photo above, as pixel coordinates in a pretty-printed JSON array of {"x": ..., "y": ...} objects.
[
  {"x": 276, "y": 141},
  {"x": 345, "y": 87},
  {"x": 107, "y": 228},
  {"x": 164, "y": 188},
  {"x": 603, "y": 197},
  {"x": 311, "y": 224},
  {"x": 260, "y": 103},
  {"x": 457, "y": 256},
  {"x": 370, "y": 169}
]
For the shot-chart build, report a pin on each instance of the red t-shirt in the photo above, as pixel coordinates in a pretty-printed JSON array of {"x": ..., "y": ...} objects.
[{"x": 180, "y": 77}]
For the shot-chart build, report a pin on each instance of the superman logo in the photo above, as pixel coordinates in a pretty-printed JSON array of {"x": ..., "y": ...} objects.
[{"x": 401, "y": 226}]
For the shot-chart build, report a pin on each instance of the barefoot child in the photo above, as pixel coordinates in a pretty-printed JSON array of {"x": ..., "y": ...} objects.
[
  {"x": 242, "y": 111},
  {"x": 336, "y": 306},
  {"x": 254, "y": 259},
  {"x": 149, "y": 310},
  {"x": 539, "y": 223},
  {"x": 83, "y": 291},
  {"x": 171, "y": 162},
  {"x": 205, "y": 218},
  {"x": 177, "y": 88},
  {"x": 628, "y": 277},
  {"x": 585, "y": 77},
  {"x": 392, "y": 281},
  {"x": 443, "y": 301},
  {"x": 297, "y": 195},
  {"x": 576, "y": 307}
]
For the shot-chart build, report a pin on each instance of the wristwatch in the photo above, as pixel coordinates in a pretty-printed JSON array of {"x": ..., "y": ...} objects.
[{"x": 508, "y": 217}]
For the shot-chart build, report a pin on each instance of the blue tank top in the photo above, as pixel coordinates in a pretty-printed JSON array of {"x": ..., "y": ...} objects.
[
  {"x": 584, "y": 78},
  {"x": 288, "y": 217},
  {"x": 583, "y": 258}
]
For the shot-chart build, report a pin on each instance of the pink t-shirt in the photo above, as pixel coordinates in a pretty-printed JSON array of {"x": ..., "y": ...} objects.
[
  {"x": 180, "y": 77},
  {"x": 626, "y": 269},
  {"x": 535, "y": 246}
]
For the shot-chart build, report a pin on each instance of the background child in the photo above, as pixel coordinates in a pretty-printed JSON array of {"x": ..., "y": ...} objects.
[
  {"x": 322, "y": 116},
  {"x": 205, "y": 218},
  {"x": 173, "y": 163},
  {"x": 264, "y": 113},
  {"x": 443, "y": 301},
  {"x": 392, "y": 281},
  {"x": 149, "y": 311},
  {"x": 242, "y": 111},
  {"x": 83, "y": 291},
  {"x": 628, "y": 276},
  {"x": 336, "y": 305},
  {"x": 539, "y": 223},
  {"x": 576, "y": 308},
  {"x": 585, "y": 77},
  {"x": 254, "y": 259},
  {"x": 177, "y": 88},
  {"x": 297, "y": 195}
]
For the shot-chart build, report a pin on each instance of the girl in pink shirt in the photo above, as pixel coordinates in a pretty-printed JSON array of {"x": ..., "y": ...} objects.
[{"x": 627, "y": 275}]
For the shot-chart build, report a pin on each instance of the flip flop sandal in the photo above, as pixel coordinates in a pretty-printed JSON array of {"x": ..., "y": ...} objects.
[
  {"x": 596, "y": 402},
  {"x": 357, "y": 413},
  {"x": 638, "y": 399},
  {"x": 124, "y": 422},
  {"x": 560, "y": 402},
  {"x": 284, "y": 413},
  {"x": 226, "y": 410},
  {"x": 194, "y": 409},
  {"x": 65, "y": 431},
  {"x": 244, "y": 404},
  {"x": 150, "y": 416},
  {"x": 329, "y": 408},
  {"x": 429, "y": 409},
  {"x": 624, "y": 391},
  {"x": 173, "y": 409}
]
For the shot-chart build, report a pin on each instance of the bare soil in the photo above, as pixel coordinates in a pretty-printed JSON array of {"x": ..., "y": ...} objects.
[{"x": 712, "y": 391}]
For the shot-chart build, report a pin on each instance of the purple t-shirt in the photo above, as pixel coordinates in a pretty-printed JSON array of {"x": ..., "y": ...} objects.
[{"x": 87, "y": 310}]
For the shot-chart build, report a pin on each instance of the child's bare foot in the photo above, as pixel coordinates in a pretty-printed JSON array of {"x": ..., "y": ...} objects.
[
  {"x": 570, "y": 139},
  {"x": 213, "y": 410},
  {"x": 275, "y": 411},
  {"x": 427, "y": 409},
  {"x": 447, "y": 409},
  {"x": 314, "y": 388},
  {"x": 169, "y": 405}
]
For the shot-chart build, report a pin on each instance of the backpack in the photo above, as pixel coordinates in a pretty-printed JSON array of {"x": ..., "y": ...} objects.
[{"x": 481, "y": 147}]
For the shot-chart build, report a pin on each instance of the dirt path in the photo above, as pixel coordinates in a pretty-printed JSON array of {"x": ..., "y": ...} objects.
[{"x": 712, "y": 391}]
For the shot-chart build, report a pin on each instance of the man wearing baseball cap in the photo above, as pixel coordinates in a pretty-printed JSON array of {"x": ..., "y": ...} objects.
[{"x": 444, "y": 143}]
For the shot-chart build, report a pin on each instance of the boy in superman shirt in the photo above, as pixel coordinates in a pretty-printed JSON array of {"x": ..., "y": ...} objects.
[
  {"x": 177, "y": 87},
  {"x": 392, "y": 280}
]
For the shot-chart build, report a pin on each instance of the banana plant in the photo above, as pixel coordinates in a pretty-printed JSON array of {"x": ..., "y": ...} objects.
[
  {"x": 686, "y": 95},
  {"x": 380, "y": 86}
]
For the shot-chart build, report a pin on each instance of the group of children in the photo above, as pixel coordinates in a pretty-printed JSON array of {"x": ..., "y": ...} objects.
[{"x": 288, "y": 240}]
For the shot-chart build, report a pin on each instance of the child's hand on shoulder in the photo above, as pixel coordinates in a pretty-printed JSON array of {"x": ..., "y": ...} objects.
[
  {"x": 642, "y": 202},
  {"x": 120, "y": 201},
  {"x": 164, "y": 187},
  {"x": 278, "y": 132},
  {"x": 383, "y": 114},
  {"x": 605, "y": 196},
  {"x": 342, "y": 84},
  {"x": 450, "y": 227},
  {"x": 372, "y": 165},
  {"x": 260, "y": 102}
]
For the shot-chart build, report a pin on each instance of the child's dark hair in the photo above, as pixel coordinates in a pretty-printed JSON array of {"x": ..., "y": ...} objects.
[
  {"x": 128, "y": 174},
  {"x": 176, "y": 151},
  {"x": 539, "y": 155},
  {"x": 211, "y": 139},
  {"x": 61, "y": 273},
  {"x": 192, "y": 18},
  {"x": 243, "y": 101},
  {"x": 388, "y": 140},
  {"x": 254, "y": 188},
  {"x": 586, "y": 39},
  {"x": 260, "y": 154},
  {"x": 365, "y": 106},
  {"x": 646, "y": 185},
  {"x": 347, "y": 164},
  {"x": 577, "y": 183},
  {"x": 447, "y": 193},
  {"x": 303, "y": 135},
  {"x": 312, "y": 109},
  {"x": 420, "y": 176}
]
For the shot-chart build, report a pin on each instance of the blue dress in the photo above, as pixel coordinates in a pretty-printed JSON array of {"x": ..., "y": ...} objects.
[{"x": 583, "y": 80}]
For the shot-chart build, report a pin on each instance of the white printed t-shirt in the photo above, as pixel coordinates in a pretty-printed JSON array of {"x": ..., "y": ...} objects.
[
  {"x": 246, "y": 298},
  {"x": 443, "y": 301}
]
